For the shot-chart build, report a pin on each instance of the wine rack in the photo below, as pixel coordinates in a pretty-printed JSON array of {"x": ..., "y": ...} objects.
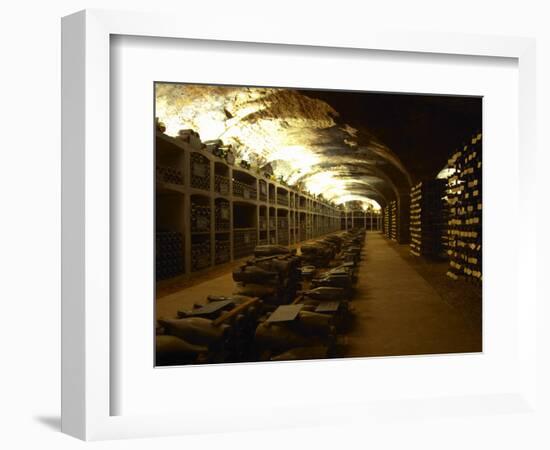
[
  {"x": 222, "y": 215},
  {"x": 263, "y": 190},
  {"x": 283, "y": 237},
  {"x": 387, "y": 221},
  {"x": 244, "y": 242},
  {"x": 464, "y": 196},
  {"x": 200, "y": 254},
  {"x": 221, "y": 184},
  {"x": 208, "y": 235},
  {"x": 393, "y": 220},
  {"x": 282, "y": 223},
  {"x": 282, "y": 199},
  {"x": 222, "y": 249},
  {"x": 415, "y": 224},
  {"x": 282, "y": 230},
  {"x": 244, "y": 190},
  {"x": 200, "y": 171},
  {"x": 167, "y": 174},
  {"x": 303, "y": 229},
  {"x": 200, "y": 217},
  {"x": 168, "y": 254},
  {"x": 428, "y": 218}
]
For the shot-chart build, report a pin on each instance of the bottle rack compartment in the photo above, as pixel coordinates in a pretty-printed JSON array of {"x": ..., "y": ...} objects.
[
  {"x": 200, "y": 253},
  {"x": 244, "y": 242},
  {"x": 168, "y": 254},
  {"x": 244, "y": 190},
  {"x": 222, "y": 250},
  {"x": 200, "y": 171},
  {"x": 263, "y": 190},
  {"x": 168, "y": 174},
  {"x": 221, "y": 184},
  {"x": 222, "y": 215},
  {"x": 200, "y": 215},
  {"x": 282, "y": 199}
]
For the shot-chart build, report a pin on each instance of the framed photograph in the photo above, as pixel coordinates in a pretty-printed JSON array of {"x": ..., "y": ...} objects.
[{"x": 262, "y": 230}]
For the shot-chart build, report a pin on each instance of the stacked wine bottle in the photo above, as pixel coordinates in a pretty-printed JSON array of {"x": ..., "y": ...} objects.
[
  {"x": 465, "y": 212},
  {"x": 263, "y": 190},
  {"x": 387, "y": 221},
  {"x": 263, "y": 223},
  {"x": 200, "y": 254},
  {"x": 244, "y": 190},
  {"x": 393, "y": 220},
  {"x": 244, "y": 242},
  {"x": 222, "y": 215},
  {"x": 283, "y": 236},
  {"x": 415, "y": 224},
  {"x": 200, "y": 217},
  {"x": 166, "y": 174},
  {"x": 221, "y": 184},
  {"x": 200, "y": 171},
  {"x": 282, "y": 199},
  {"x": 428, "y": 218},
  {"x": 168, "y": 254},
  {"x": 222, "y": 249}
]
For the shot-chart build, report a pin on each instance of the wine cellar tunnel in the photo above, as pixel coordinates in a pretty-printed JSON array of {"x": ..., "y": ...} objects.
[{"x": 302, "y": 224}]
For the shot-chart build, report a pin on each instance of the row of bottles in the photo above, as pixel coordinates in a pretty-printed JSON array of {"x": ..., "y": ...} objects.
[
  {"x": 263, "y": 190},
  {"x": 244, "y": 190},
  {"x": 464, "y": 196},
  {"x": 393, "y": 220},
  {"x": 282, "y": 199},
  {"x": 428, "y": 218},
  {"x": 221, "y": 184},
  {"x": 415, "y": 223},
  {"x": 200, "y": 254},
  {"x": 282, "y": 223},
  {"x": 387, "y": 221},
  {"x": 223, "y": 215},
  {"x": 200, "y": 171},
  {"x": 167, "y": 174},
  {"x": 244, "y": 242},
  {"x": 200, "y": 217},
  {"x": 168, "y": 254},
  {"x": 222, "y": 250}
]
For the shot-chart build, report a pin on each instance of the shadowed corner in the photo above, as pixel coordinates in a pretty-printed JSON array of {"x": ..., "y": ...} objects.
[{"x": 52, "y": 422}]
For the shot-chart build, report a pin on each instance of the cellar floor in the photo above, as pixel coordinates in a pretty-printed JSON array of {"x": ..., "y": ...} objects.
[{"x": 398, "y": 311}]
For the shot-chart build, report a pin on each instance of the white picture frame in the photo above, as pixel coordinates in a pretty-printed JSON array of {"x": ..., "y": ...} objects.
[{"x": 86, "y": 245}]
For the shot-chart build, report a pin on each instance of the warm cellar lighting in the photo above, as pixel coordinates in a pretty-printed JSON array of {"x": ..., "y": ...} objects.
[
  {"x": 299, "y": 161},
  {"x": 279, "y": 126},
  {"x": 446, "y": 173},
  {"x": 367, "y": 203}
]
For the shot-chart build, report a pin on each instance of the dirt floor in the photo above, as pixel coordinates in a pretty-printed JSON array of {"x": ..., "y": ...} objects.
[
  {"x": 398, "y": 311},
  {"x": 463, "y": 296}
]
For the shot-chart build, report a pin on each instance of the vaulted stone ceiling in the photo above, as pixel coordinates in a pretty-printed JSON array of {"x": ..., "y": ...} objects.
[{"x": 329, "y": 141}]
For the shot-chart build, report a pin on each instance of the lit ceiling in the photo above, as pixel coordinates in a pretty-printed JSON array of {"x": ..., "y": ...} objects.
[{"x": 300, "y": 133}]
